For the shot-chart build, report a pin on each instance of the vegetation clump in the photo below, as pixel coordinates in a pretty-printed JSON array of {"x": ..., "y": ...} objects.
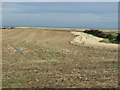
[
  {"x": 97, "y": 33},
  {"x": 118, "y": 37},
  {"x": 8, "y": 27},
  {"x": 108, "y": 37}
]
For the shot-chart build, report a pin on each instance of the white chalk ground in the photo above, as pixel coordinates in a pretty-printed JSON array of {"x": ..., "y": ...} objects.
[{"x": 90, "y": 40}]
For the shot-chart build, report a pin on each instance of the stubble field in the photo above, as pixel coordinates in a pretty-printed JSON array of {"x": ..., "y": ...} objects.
[{"x": 34, "y": 58}]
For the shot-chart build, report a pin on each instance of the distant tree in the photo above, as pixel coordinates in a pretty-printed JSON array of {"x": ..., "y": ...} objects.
[
  {"x": 11, "y": 27},
  {"x": 3, "y": 28}
]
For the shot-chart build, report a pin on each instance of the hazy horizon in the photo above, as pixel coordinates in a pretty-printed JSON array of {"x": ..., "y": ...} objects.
[{"x": 94, "y": 15}]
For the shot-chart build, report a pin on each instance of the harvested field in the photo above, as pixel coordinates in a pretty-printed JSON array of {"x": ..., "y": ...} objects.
[{"x": 35, "y": 58}]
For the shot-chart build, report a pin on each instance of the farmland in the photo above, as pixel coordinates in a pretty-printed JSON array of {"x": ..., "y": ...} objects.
[{"x": 37, "y": 58}]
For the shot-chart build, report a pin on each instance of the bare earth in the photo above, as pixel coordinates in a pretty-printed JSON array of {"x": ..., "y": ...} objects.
[
  {"x": 57, "y": 59},
  {"x": 91, "y": 41}
]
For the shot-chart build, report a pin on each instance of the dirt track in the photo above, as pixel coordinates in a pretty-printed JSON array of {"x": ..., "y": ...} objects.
[{"x": 48, "y": 59}]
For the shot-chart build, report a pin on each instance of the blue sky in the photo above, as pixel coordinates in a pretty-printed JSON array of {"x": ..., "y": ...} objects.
[
  {"x": 102, "y": 15},
  {"x": 60, "y": 0}
]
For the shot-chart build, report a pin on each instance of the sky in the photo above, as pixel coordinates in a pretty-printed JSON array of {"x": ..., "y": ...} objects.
[
  {"x": 94, "y": 15},
  {"x": 60, "y": 0}
]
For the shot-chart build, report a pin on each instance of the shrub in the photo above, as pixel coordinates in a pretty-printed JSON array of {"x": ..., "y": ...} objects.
[
  {"x": 3, "y": 28},
  {"x": 118, "y": 37},
  {"x": 111, "y": 36},
  {"x": 96, "y": 33},
  {"x": 11, "y": 28}
]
